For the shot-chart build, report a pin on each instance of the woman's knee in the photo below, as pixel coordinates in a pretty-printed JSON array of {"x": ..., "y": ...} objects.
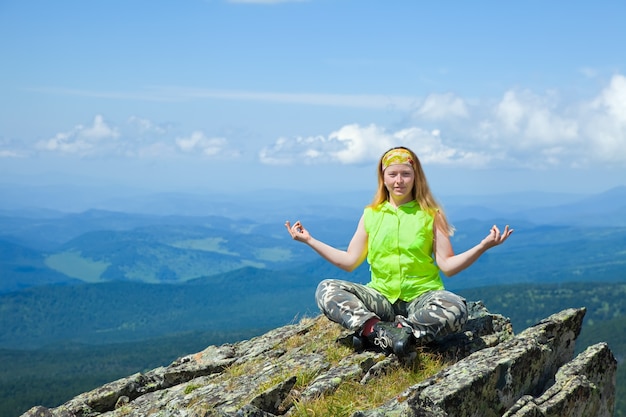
[
  {"x": 328, "y": 292},
  {"x": 444, "y": 307},
  {"x": 324, "y": 287},
  {"x": 455, "y": 308}
]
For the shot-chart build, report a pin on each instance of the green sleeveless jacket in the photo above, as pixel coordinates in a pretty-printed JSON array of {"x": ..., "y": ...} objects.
[{"x": 399, "y": 251}]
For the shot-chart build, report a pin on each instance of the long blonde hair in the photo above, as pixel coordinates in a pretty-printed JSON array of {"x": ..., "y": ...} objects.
[{"x": 420, "y": 193}]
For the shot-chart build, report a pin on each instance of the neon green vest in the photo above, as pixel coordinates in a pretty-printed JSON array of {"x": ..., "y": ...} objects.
[{"x": 400, "y": 247}]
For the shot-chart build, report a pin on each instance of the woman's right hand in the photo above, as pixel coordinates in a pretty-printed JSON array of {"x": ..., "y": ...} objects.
[
  {"x": 297, "y": 231},
  {"x": 347, "y": 259}
]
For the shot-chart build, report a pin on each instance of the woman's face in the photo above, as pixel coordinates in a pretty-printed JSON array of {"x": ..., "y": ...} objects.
[{"x": 399, "y": 180}]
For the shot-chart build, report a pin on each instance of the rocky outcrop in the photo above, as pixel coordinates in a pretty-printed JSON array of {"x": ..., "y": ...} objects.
[
  {"x": 528, "y": 375},
  {"x": 489, "y": 372}
]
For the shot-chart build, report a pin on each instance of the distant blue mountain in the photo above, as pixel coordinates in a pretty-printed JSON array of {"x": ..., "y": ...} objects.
[
  {"x": 99, "y": 245},
  {"x": 604, "y": 209}
]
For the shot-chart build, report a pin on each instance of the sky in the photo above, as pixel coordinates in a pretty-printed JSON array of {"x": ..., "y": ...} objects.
[{"x": 280, "y": 95}]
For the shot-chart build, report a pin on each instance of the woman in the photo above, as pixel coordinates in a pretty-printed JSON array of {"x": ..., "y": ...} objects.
[{"x": 405, "y": 237}]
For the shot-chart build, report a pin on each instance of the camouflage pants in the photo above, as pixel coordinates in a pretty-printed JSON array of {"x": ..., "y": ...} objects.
[{"x": 431, "y": 316}]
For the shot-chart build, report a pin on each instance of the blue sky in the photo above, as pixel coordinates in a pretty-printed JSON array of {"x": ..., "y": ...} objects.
[{"x": 232, "y": 96}]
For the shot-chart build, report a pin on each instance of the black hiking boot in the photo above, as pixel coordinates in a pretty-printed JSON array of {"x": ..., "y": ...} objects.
[
  {"x": 355, "y": 341},
  {"x": 391, "y": 338},
  {"x": 359, "y": 343}
]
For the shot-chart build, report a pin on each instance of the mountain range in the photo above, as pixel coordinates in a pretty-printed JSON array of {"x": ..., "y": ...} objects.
[{"x": 40, "y": 247}]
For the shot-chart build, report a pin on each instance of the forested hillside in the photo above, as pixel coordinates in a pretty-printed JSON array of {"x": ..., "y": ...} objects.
[{"x": 117, "y": 312}]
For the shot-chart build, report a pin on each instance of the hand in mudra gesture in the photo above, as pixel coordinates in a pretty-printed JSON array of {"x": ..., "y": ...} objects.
[
  {"x": 297, "y": 231},
  {"x": 495, "y": 238}
]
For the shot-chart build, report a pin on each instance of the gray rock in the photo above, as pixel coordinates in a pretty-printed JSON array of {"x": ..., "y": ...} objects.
[
  {"x": 493, "y": 373},
  {"x": 491, "y": 381},
  {"x": 583, "y": 387}
]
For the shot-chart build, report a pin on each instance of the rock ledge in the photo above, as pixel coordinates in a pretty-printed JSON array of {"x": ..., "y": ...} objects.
[{"x": 491, "y": 373}]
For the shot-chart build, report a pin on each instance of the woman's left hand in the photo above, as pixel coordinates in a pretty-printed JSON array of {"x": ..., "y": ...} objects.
[{"x": 495, "y": 238}]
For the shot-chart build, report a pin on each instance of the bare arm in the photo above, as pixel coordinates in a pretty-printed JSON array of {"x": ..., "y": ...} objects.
[
  {"x": 451, "y": 264},
  {"x": 348, "y": 260}
]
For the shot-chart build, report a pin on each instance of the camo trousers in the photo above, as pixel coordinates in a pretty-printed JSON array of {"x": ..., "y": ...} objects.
[{"x": 431, "y": 316}]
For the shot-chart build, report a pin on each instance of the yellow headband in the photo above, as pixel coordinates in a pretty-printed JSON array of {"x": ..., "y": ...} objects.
[{"x": 397, "y": 156}]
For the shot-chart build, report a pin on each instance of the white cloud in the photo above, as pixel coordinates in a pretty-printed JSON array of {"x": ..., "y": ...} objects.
[
  {"x": 533, "y": 120},
  {"x": 544, "y": 126},
  {"x": 355, "y": 144},
  {"x": 98, "y": 131},
  {"x": 521, "y": 128},
  {"x": 8, "y": 153},
  {"x": 606, "y": 125},
  {"x": 304, "y": 150},
  {"x": 360, "y": 144},
  {"x": 613, "y": 100},
  {"x": 138, "y": 137},
  {"x": 539, "y": 130},
  {"x": 12, "y": 149},
  {"x": 179, "y": 94},
  {"x": 66, "y": 143},
  {"x": 197, "y": 142},
  {"x": 442, "y": 106},
  {"x": 528, "y": 130},
  {"x": 145, "y": 126},
  {"x": 510, "y": 112},
  {"x": 81, "y": 140}
]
